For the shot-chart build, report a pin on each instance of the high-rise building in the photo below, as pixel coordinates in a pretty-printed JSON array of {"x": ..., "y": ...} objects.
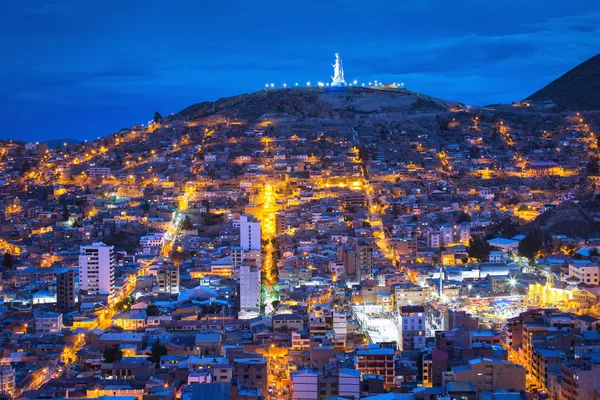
[
  {"x": 378, "y": 361},
  {"x": 7, "y": 380},
  {"x": 412, "y": 327},
  {"x": 280, "y": 223},
  {"x": 446, "y": 235},
  {"x": 249, "y": 233},
  {"x": 249, "y": 288},
  {"x": 237, "y": 257},
  {"x": 364, "y": 257},
  {"x": 65, "y": 291},
  {"x": 168, "y": 280},
  {"x": 97, "y": 269}
]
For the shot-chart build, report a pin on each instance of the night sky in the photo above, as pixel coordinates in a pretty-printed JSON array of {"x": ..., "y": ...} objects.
[{"x": 81, "y": 69}]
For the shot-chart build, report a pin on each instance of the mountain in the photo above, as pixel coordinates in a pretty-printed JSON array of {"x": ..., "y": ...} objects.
[{"x": 577, "y": 90}]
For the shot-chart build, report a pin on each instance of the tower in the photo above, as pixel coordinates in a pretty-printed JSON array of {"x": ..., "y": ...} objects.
[
  {"x": 65, "y": 291},
  {"x": 97, "y": 269},
  {"x": 249, "y": 233},
  {"x": 249, "y": 288}
]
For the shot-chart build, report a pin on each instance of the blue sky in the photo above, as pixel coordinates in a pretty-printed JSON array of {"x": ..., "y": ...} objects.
[{"x": 79, "y": 69}]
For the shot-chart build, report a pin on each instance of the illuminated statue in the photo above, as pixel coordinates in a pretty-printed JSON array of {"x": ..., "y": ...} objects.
[{"x": 338, "y": 72}]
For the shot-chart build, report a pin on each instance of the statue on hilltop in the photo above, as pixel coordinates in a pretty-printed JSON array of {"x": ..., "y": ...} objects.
[{"x": 338, "y": 72}]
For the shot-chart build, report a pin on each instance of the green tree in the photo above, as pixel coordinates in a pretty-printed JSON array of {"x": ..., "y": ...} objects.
[
  {"x": 65, "y": 212},
  {"x": 8, "y": 262},
  {"x": 531, "y": 244},
  {"x": 112, "y": 354},
  {"x": 158, "y": 350},
  {"x": 186, "y": 225},
  {"x": 25, "y": 167},
  {"x": 478, "y": 248},
  {"x": 157, "y": 117},
  {"x": 152, "y": 310},
  {"x": 463, "y": 217}
]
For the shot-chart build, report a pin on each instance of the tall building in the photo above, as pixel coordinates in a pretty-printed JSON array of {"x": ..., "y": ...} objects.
[
  {"x": 237, "y": 257},
  {"x": 7, "y": 380},
  {"x": 97, "y": 269},
  {"x": 280, "y": 223},
  {"x": 65, "y": 291},
  {"x": 412, "y": 327},
  {"x": 364, "y": 257},
  {"x": 249, "y": 233},
  {"x": 378, "y": 361},
  {"x": 249, "y": 288},
  {"x": 168, "y": 280},
  {"x": 446, "y": 235}
]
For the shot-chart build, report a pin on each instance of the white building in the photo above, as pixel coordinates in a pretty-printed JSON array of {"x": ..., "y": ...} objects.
[
  {"x": 349, "y": 383},
  {"x": 249, "y": 233},
  {"x": 249, "y": 288},
  {"x": 584, "y": 271},
  {"x": 168, "y": 280},
  {"x": 434, "y": 238},
  {"x": 49, "y": 322},
  {"x": 447, "y": 235},
  {"x": 306, "y": 385},
  {"x": 463, "y": 233},
  {"x": 412, "y": 327},
  {"x": 340, "y": 325},
  {"x": 97, "y": 269},
  {"x": 152, "y": 243}
]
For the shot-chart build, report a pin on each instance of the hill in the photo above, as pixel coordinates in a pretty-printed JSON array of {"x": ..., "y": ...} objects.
[
  {"x": 58, "y": 142},
  {"x": 577, "y": 90},
  {"x": 299, "y": 103}
]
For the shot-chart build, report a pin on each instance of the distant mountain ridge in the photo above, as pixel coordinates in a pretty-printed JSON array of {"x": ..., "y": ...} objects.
[{"x": 577, "y": 90}]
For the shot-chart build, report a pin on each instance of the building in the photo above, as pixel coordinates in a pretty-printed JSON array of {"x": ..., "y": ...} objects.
[
  {"x": 378, "y": 361},
  {"x": 49, "y": 322},
  {"x": 280, "y": 227},
  {"x": 409, "y": 295},
  {"x": 249, "y": 288},
  {"x": 580, "y": 379},
  {"x": 97, "y": 269},
  {"x": 412, "y": 327},
  {"x": 7, "y": 380},
  {"x": 168, "y": 280},
  {"x": 249, "y": 233},
  {"x": 315, "y": 385},
  {"x": 584, "y": 271},
  {"x": 152, "y": 243},
  {"x": 488, "y": 374},
  {"x": 251, "y": 372},
  {"x": 65, "y": 291}
]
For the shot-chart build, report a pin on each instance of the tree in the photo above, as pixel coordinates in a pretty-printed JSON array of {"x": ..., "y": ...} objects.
[
  {"x": 186, "y": 225},
  {"x": 478, "y": 248},
  {"x": 152, "y": 310},
  {"x": 65, "y": 212},
  {"x": 463, "y": 217},
  {"x": 25, "y": 167},
  {"x": 157, "y": 117},
  {"x": 8, "y": 261},
  {"x": 158, "y": 350},
  {"x": 530, "y": 245},
  {"x": 112, "y": 354}
]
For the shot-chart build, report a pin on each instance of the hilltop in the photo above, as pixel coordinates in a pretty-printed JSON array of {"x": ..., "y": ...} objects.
[
  {"x": 577, "y": 90},
  {"x": 299, "y": 103}
]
